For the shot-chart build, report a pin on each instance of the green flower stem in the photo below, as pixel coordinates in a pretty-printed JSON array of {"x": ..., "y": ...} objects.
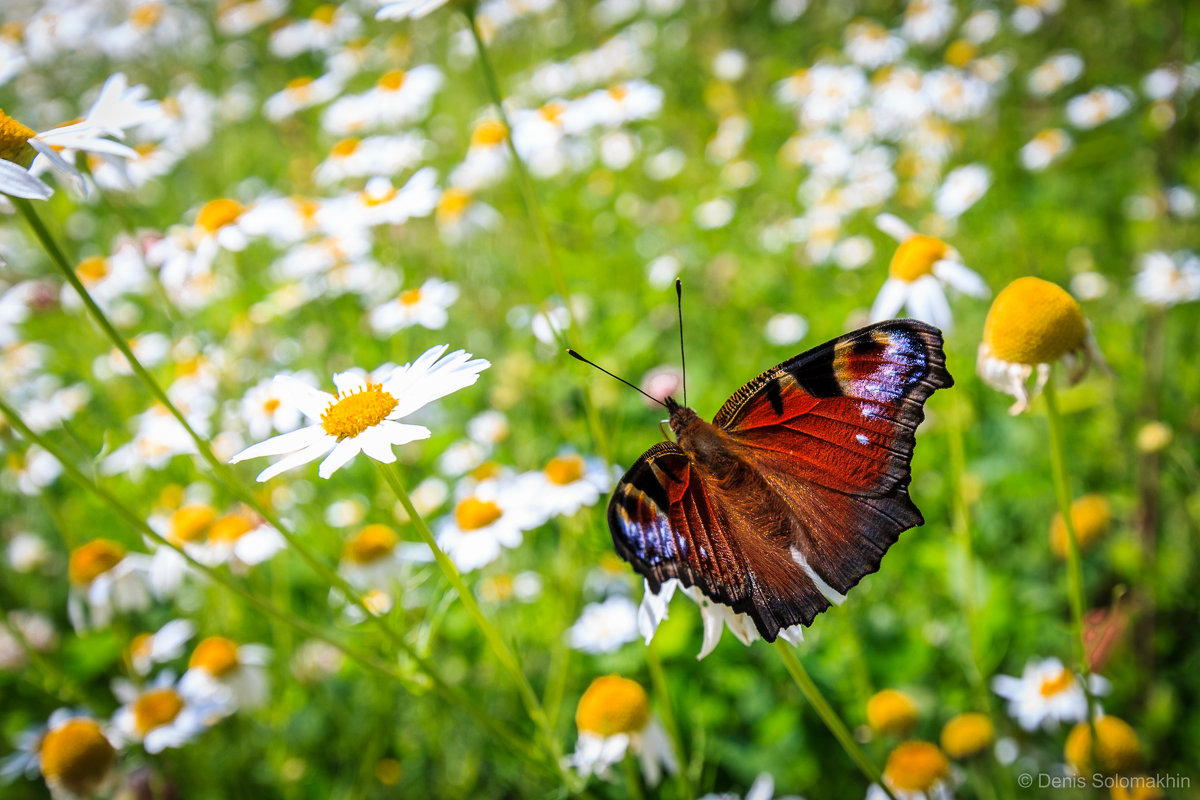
[
  {"x": 633, "y": 783},
  {"x": 1062, "y": 489},
  {"x": 538, "y": 218},
  {"x": 829, "y": 716},
  {"x": 501, "y": 650},
  {"x": 658, "y": 680},
  {"x": 223, "y": 580},
  {"x": 223, "y": 474}
]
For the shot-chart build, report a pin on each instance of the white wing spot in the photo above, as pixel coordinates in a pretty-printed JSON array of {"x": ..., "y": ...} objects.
[{"x": 862, "y": 438}]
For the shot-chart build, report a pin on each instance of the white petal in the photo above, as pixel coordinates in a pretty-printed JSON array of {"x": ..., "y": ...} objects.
[
  {"x": 345, "y": 450},
  {"x": 890, "y": 299},
  {"x": 653, "y": 609},
  {"x": 16, "y": 182},
  {"x": 283, "y": 443},
  {"x": 714, "y": 626},
  {"x": 376, "y": 446},
  {"x": 894, "y": 227},
  {"x": 300, "y": 457},
  {"x": 402, "y": 433},
  {"x": 312, "y": 402},
  {"x": 349, "y": 381},
  {"x": 956, "y": 274}
]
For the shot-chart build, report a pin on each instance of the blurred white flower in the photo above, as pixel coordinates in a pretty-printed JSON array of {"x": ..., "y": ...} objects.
[
  {"x": 605, "y": 627},
  {"x": 1046, "y": 694},
  {"x": 1167, "y": 280}
]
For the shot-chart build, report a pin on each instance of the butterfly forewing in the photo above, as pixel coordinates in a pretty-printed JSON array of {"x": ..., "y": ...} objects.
[{"x": 810, "y": 487}]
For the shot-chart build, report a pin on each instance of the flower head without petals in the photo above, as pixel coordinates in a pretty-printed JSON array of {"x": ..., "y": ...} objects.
[{"x": 1032, "y": 324}]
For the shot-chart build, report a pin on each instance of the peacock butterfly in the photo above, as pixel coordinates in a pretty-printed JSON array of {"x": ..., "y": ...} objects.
[{"x": 798, "y": 486}]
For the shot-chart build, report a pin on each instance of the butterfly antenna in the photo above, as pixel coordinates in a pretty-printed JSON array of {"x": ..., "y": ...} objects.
[
  {"x": 682, "y": 357},
  {"x": 575, "y": 355}
]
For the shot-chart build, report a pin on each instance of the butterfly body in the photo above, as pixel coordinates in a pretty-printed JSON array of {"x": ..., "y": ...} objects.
[{"x": 796, "y": 489}]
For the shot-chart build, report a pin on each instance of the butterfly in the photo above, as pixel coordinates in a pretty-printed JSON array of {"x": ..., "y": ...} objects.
[{"x": 799, "y": 485}]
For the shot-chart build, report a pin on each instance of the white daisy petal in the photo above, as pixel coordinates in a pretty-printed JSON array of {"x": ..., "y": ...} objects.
[
  {"x": 894, "y": 227},
  {"x": 376, "y": 447},
  {"x": 959, "y": 276},
  {"x": 400, "y": 433},
  {"x": 343, "y": 452},
  {"x": 349, "y": 381},
  {"x": 283, "y": 443},
  {"x": 890, "y": 299},
  {"x": 299, "y": 458},
  {"x": 312, "y": 402},
  {"x": 16, "y": 182}
]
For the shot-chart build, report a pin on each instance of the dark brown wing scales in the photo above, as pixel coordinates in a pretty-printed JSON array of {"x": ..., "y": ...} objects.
[{"x": 669, "y": 521}]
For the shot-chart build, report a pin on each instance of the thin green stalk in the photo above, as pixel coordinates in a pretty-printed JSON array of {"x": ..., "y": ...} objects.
[
  {"x": 970, "y": 601},
  {"x": 633, "y": 783},
  {"x": 220, "y": 578},
  {"x": 541, "y": 228},
  {"x": 1062, "y": 489},
  {"x": 499, "y": 648},
  {"x": 829, "y": 716},
  {"x": 223, "y": 475},
  {"x": 658, "y": 679}
]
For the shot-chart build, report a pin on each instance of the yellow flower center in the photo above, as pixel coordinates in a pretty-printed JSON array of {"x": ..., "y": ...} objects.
[
  {"x": 1089, "y": 515},
  {"x": 967, "y": 734},
  {"x": 486, "y": 471},
  {"x": 960, "y": 53},
  {"x": 91, "y": 270},
  {"x": 1059, "y": 683},
  {"x": 156, "y": 708},
  {"x": 552, "y": 111},
  {"x": 140, "y": 647},
  {"x": 916, "y": 256},
  {"x": 370, "y": 199},
  {"x": 890, "y": 711},
  {"x": 216, "y": 214},
  {"x": 345, "y": 148},
  {"x": 612, "y": 705},
  {"x": 13, "y": 31},
  {"x": 91, "y": 560},
  {"x": 270, "y": 406},
  {"x": 410, "y": 297},
  {"x": 77, "y": 756},
  {"x": 351, "y": 414},
  {"x": 14, "y": 141},
  {"x": 146, "y": 15},
  {"x": 324, "y": 14},
  {"x": 1033, "y": 322},
  {"x": 1118, "y": 751},
  {"x": 371, "y": 544},
  {"x": 230, "y": 528},
  {"x": 618, "y": 93},
  {"x": 565, "y": 470},
  {"x": 497, "y": 588},
  {"x": 189, "y": 523},
  {"x": 488, "y": 133},
  {"x": 216, "y": 655},
  {"x": 916, "y": 766},
  {"x": 452, "y": 204},
  {"x": 172, "y": 494},
  {"x": 299, "y": 86},
  {"x": 392, "y": 80},
  {"x": 472, "y": 514}
]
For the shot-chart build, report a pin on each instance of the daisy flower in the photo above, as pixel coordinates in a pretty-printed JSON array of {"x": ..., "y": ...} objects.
[
  {"x": 715, "y": 617},
  {"x": 226, "y": 674},
  {"x": 915, "y": 771},
  {"x": 967, "y": 735},
  {"x": 1046, "y": 694},
  {"x": 488, "y": 519},
  {"x": 1032, "y": 324},
  {"x": 605, "y": 627},
  {"x": 763, "y": 788},
  {"x": 1117, "y": 751},
  {"x": 613, "y": 717},
  {"x": 1044, "y": 149},
  {"x": 566, "y": 484},
  {"x": 74, "y": 754},
  {"x": 158, "y": 715},
  {"x": 891, "y": 711},
  {"x": 919, "y": 269},
  {"x": 104, "y": 577},
  {"x": 363, "y": 416},
  {"x": 118, "y": 107},
  {"x": 148, "y": 649},
  {"x": 425, "y": 305},
  {"x": 264, "y": 408},
  {"x": 1098, "y": 106},
  {"x": 1165, "y": 280},
  {"x": 963, "y": 188},
  {"x": 374, "y": 557}
]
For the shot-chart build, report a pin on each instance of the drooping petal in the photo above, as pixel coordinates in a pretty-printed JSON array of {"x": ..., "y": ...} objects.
[
  {"x": 16, "y": 182},
  {"x": 890, "y": 299},
  {"x": 311, "y": 453},
  {"x": 958, "y": 275},
  {"x": 894, "y": 227},
  {"x": 283, "y": 443}
]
